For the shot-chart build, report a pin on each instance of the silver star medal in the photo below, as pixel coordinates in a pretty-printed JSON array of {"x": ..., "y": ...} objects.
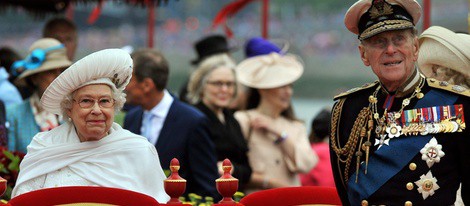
[
  {"x": 432, "y": 152},
  {"x": 427, "y": 185},
  {"x": 383, "y": 140}
]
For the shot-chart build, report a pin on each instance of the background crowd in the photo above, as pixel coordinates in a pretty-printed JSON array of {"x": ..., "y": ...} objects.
[
  {"x": 238, "y": 103},
  {"x": 200, "y": 133}
]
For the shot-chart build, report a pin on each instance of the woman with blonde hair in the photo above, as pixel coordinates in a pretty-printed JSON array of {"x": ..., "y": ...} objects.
[
  {"x": 278, "y": 142},
  {"x": 211, "y": 89}
]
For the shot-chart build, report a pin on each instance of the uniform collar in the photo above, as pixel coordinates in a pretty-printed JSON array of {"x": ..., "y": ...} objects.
[{"x": 407, "y": 88}]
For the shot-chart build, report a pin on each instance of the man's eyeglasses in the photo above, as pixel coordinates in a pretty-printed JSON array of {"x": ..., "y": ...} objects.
[
  {"x": 220, "y": 84},
  {"x": 87, "y": 103}
]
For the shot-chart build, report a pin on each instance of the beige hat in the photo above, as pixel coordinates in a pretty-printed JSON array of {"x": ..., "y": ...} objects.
[
  {"x": 367, "y": 18},
  {"x": 110, "y": 66},
  {"x": 440, "y": 46},
  {"x": 44, "y": 55},
  {"x": 269, "y": 71}
]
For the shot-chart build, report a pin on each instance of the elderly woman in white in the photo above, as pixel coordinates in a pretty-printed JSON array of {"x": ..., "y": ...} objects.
[{"x": 90, "y": 149}]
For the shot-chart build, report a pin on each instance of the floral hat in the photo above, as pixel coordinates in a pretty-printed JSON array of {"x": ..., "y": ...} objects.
[
  {"x": 110, "y": 66},
  {"x": 44, "y": 55}
]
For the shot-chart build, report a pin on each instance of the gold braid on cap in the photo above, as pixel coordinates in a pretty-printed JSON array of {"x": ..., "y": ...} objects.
[
  {"x": 385, "y": 26},
  {"x": 361, "y": 128}
]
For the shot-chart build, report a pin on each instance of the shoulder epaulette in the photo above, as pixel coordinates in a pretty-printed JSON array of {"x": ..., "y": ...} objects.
[
  {"x": 353, "y": 90},
  {"x": 448, "y": 87}
]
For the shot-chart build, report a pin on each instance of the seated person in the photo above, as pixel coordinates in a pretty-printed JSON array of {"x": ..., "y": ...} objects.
[{"x": 89, "y": 149}]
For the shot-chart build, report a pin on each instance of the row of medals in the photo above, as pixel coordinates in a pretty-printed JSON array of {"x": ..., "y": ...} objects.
[
  {"x": 423, "y": 128},
  {"x": 445, "y": 126}
]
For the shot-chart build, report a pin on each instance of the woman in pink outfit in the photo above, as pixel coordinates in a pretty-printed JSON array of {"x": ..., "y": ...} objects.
[{"x": 321, "y": 174}]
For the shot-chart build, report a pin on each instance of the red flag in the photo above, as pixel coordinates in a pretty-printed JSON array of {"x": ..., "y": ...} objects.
[
  {"x": 228, "y": 11},
  {"x": 95, "y": 13}
]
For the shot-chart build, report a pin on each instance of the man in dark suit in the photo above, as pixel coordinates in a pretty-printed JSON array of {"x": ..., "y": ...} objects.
[
  {"x": 401, "y": 140},
  {"x": 176, "y": 129}
]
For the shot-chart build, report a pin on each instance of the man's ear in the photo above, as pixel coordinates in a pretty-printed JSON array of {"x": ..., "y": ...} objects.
[
  {"x": 364, "y": 57},
  {"x": 416, "y": 49},
  {"x": 148, "y": 84}
]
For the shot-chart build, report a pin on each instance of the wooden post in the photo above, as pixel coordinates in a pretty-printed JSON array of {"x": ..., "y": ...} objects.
[
  {"x": 150, "y": 23},
  {"x": 264, "y": 19},
  {"x": 426, "y": 14},
  {"x": 69, "y": 13}
]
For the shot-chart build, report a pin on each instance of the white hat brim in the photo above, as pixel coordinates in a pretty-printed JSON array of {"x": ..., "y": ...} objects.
[
  {"x": 440, "y": 46},
  {"x": 115, "y": 64}
]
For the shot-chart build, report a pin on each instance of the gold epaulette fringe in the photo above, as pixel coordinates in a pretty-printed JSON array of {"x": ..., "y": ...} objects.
[{"x": 353, "y": 90}]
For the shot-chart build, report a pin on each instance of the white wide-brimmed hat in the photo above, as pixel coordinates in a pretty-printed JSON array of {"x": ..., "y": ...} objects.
[
  {"x": 367, "y": 18},
  {"x": 269, "y": 71},
  {"x": 44, "y": 54},
  {"x": 110, "y": 66},
  {"x": 443, "y": 47}
]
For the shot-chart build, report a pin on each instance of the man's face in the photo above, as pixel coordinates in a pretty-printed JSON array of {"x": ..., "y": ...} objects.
[
  {"x": 135, "y": 91},
  {"x": 391, "y": 55},
  {"x": 68, "y": 37}
]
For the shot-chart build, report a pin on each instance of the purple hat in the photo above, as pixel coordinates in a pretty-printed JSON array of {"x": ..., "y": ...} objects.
[{"x": 258, "y": 46}]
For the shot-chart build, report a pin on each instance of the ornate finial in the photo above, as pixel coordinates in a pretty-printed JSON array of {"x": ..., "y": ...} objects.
[
  {"x": 227, "y": 185},
  {"x": 3, "y": 185},
  {"x": 174, "y": 185},
  {"x": 380, "y": 8}
]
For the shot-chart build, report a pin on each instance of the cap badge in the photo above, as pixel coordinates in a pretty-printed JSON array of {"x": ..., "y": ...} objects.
[{"x": 380, "y": 8}]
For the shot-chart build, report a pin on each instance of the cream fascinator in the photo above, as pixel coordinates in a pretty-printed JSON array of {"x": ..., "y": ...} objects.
[{"x": 269, "y": 71}]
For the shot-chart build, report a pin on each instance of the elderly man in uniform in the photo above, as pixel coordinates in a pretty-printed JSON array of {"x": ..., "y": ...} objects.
[{"x": 401, "y": 140}]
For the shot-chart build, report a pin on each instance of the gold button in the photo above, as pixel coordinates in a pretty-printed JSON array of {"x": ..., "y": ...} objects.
[
  {"x": 408, "y": 203},
  {"x": 364, "y": 203},
  {"x": 409, "y": 186},
  {"x": 428, "y": 185},
  {"x": 412, "y": 166}
]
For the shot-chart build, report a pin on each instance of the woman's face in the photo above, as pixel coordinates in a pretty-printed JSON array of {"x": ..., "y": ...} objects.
[
  {"x": 279, "y": 97},
  {"x": 220, "y": 88},
  {"x": 92, "y": 111},
  {"x": 43, "y": 79}
]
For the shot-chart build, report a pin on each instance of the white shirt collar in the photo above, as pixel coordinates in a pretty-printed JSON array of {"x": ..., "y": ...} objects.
[{"x": 163, "y": 107}]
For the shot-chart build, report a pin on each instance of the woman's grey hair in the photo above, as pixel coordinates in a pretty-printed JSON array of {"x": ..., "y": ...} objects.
[
  {"x": 198, "y": 79},
  {"x": 118, "y": 96}
]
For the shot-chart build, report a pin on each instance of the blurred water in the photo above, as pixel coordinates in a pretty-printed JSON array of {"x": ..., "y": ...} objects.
[{"x": 307, "y": 108}]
